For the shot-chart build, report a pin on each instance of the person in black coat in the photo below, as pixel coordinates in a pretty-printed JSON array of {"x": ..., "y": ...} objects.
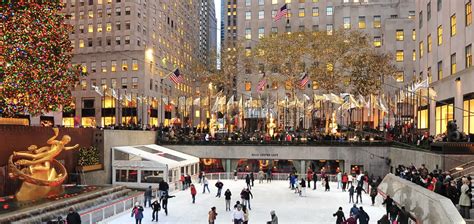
[
  {"x": 326, "y": 179},
  {"x": 359, "y": 190},
  {"x": 73, "y": 217},
  {"x": 247, "y": 181},
  {"x": 228, "y": 196},
  {"x": 363, "y": 216},
  {"x": 388, "y": 202},
  {"x": 252, "y": 178},
  {"x": 315, "y": 179},
  {"x": 163, "y": 187},
  {"x": 164, "y": 201},
  {"x": 340, "y": 216},
  {"x": 403, "y": 216},
  {"x": 156, "y": 208}
]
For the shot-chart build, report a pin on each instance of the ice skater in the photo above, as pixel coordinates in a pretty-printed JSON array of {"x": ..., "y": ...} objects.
[
  {"x": 156, "y": 208},
  {"x": 269, "y": 176},
  {"x": 238, "y": 215},
  {"x": 219, "y": 186},
  {"x": 339, "y": 179},
  {"x": 245, "y": 195},
  {"x": 373, "y": 194},
  {"x": 193, "y": 193},
  {"x": 309, "y": 176},
  {"x": 315, "y": 179},
  {"x": 228, "y": 196},
  {"x": 206, "y": 185},
  {"x": 340, "y": 218},
  {"x": 344, "y": 182},
  {"x": 351, "y": 194},
  {"x": 303, "y": 188},
  {"x": 247, "y": 181},
  {"x": 212, "y": 215},
  {"x": 261, "y": 176},
  {"x": 235, "y": 175},
  {"x": 252, "y": 178},
  {"x": 137, "y": 212},
  {"x": 274, "y": 218},
  {"x": 148, "y": 194},
  {"x": 326, "y": 180},
  {"x": 359, "y": 190},
  {"x": 164, "y": 201}
]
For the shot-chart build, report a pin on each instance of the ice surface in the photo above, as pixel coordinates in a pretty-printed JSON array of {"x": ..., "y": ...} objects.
[{"x": 317, "y": 207}]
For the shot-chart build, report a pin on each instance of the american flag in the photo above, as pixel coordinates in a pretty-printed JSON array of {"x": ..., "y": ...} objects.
[
  {"x": 261, "y": 84},
  {"x": 176, "y": 77},
  {"x": 304, "y": 80},
  {"x": 283, "y": 12}
]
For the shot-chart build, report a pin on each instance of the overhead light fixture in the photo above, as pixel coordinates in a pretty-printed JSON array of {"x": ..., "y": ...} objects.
[{"x": 459, "y": 168}]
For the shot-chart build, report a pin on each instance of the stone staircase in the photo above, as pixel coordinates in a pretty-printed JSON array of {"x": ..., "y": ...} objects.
[
  {"x": 467, "y": 170},
  {"x": 51, "y": 210}
]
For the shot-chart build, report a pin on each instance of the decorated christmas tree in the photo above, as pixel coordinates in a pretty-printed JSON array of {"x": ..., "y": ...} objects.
[{"x": 36, "y": 75}]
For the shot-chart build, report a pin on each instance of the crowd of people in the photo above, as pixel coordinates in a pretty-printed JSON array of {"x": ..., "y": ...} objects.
[{"x": 458, "y": 190}]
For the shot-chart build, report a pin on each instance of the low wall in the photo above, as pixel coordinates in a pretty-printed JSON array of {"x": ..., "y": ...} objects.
[
  {"x": 425, "y": 205},
  {"x": 114, "y": 138}
]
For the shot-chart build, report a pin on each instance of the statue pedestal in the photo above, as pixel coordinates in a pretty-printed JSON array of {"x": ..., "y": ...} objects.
[{"x": 30, "y": 192}]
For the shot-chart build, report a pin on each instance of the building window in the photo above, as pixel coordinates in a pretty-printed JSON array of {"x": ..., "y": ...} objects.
[
  {"x": 411, "y": 14},
  {"x": 468, "y": 13},
  {"x": 347, "y": 22},
  {"x": 440, "y": 70},
  {"x": 118, "y": 11},
  {"x": 315, "y": 28},
  {"x": 468, "y": 115},
  {"x": 117, "y": 40},
  {"x": 134, "y": 83},
  {"x": 329, "y": 10},
  {"x": 420, "y": 19},
  {"x": 274, "y": 2},
  {"x": 261, "y": 32},
  {"x": 420, "y": 48},
  {"x": 399, "y": 76},
  {"x": 453, "y": 25},
  {"x": 377, "y": 21},
  {"x": 93, "y": 66},
  {"x": 135, "y": 65},
  {"x": 124, "y": 82},
  {"x": 93, "y": 84},
  {"x": 414, "y": 55},
  {"x": 468, "y": 53},
  {"x": 453, "y": 63},
  {"x": 90, "y": 28},
  {"x": 329, "y": 29},
  {"x": 248, "y": 86},
  {"x": 428, "y": 11},
  {"x": 362, "y": 22},
  {"x": 400, "y": 35},
  {"x": 247, "y": 2},
  {"x": 429, "y": 42},
  {"x": 423, "y": 119},
  {"x": 261, "y": 2},
  {"x": 248, "y": 34},
  {"x": 99, "y": 27},
  {"x": 413, "y": 34},
  {"x": 127, "y": 25},
  {"x": 440, "y": 35},
  {"x": 261, "y": 14},
  {"x": 399, "y": 56},
  {"x": 315, "y": 11},
  {"x": 113, "y": 83},
  {"x": 440, "y": 5},
  {"x": 248, "y": 15},
  {"x": 377, "y": 41},
  {"x": 113, "y": 67},
  {"x": 444, "y": 113},
  {"x": 124, "y": 65},
  {"x": 81, "y": 43},
  {"x": 127, "y": 39},
  {"x": 301, "y": 12},
  {"x": 315, "y": 85},
  {"x": 103, "y": 66},
  {"x": 83, "y": 84}
]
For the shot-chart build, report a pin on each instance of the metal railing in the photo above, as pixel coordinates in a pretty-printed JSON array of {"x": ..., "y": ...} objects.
[
  {"x": 242, "y": 175},
  {"x": 102, "y": 213}
]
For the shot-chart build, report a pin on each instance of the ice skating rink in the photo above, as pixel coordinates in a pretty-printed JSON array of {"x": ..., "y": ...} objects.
[{"x": 317, "y": 207}]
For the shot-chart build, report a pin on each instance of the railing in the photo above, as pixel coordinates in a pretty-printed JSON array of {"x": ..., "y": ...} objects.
[
  {"x": 275, "y": 142},
  {"x": 107, "y": 211},
  {"x": 463, "y": 172},
  {"x": 275, "y": 176}
]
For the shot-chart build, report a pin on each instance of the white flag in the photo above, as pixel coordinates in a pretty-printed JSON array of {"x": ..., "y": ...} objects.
[{"x": 97, "y": 90}]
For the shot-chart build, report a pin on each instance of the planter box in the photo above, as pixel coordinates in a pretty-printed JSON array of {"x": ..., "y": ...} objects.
[{"x": 90, "y": 168}]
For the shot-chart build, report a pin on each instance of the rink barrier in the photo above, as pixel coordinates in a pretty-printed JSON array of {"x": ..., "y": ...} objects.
[{"x": 275, "y": 176}]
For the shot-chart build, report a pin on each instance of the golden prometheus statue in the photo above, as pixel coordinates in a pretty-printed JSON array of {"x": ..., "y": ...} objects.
[{"x": 41, "y": 173}]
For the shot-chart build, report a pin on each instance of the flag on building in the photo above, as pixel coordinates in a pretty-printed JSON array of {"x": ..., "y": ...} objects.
[
  {"x": 304, "y": 80},
  {"x": 281, "y": 13},
  {"x": 176, "y": 77},
  {"x": 261, "y": 84}
]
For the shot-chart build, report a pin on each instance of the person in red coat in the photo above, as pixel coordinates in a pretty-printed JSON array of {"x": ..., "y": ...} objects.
[
  {"x": 193, "y": 192},
  {"x": 344, "y": 181},
  {"x": 309, "y": 176}
]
